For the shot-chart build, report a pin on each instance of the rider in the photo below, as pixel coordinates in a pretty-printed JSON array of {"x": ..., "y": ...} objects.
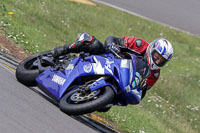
[{"x": 156, "y": 54}]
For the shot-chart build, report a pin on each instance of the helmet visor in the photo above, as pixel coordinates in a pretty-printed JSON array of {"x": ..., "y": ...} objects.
[{"x": 158, "y": 59}]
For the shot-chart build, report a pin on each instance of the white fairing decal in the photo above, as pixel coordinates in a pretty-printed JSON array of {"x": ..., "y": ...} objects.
[
  {"x": 70, "y": 66},
  {"x": 124, "y": 63},
  {"x": 98, "y": 69},
  {"x": 108, "y": 67},
  {"x": 128, "y": 64}
]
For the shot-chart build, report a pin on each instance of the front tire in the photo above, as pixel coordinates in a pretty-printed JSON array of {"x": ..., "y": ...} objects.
[
  {"x": 27, "y": 72},
  {"x": 101, "y": 99}
]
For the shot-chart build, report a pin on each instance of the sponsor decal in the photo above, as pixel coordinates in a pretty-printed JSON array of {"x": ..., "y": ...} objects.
[
  {"x": 59, "y": 80},
  {"x": 128, "y": 89},
  {"x": 134, "y": 84},
  {"x": 87, "y": 68}
]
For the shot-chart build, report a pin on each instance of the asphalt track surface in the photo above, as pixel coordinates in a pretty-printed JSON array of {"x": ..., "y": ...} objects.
[
  {"x": 180, "y": 14},
  {"x": 23, "y": 111}
]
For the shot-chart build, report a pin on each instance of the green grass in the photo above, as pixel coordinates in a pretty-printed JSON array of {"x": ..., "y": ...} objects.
[{"x": 171, "y": 106}]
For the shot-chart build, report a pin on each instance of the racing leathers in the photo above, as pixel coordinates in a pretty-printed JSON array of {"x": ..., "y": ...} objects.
[
  {"x": 130, "y": 44},
  {"x": 139, "y": 47}
]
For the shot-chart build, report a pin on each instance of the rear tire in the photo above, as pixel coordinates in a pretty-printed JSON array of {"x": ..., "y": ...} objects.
[
  {"x": 26, "y": 74},
  {"x": 104, "y": 97}
]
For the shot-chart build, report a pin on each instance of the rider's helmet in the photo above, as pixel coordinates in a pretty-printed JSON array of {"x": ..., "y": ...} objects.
[{"x": 159, "y": 52}]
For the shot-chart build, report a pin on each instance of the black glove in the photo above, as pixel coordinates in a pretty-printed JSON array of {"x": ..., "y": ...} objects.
[
  {"x": 111, "y": 47},
  {"x": 144, "y": 88},
  {"x": 58, "y": 51}
]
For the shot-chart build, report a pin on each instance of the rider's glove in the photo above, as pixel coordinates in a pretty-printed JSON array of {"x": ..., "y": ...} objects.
[
  {"x": 111, "y": 47},
  {"x": 144, "y": 88}
]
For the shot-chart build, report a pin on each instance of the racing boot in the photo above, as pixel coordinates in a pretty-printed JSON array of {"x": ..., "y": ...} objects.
[{"x": 85, "y": 43}]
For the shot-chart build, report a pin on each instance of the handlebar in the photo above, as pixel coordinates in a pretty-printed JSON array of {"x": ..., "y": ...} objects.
[{"x": 116, "y": 54}]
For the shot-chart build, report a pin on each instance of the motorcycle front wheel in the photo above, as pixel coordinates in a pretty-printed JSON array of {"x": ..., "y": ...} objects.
[
  {"x": 27, "y": 71},
  {"x": 77, "y": 103}
]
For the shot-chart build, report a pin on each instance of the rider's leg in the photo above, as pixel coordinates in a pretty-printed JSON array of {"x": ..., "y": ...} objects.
[{"x": 93, "y": 46}]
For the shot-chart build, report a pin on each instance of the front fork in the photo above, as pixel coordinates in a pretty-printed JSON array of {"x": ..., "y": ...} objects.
[
  {"x": 95, "y": 85},
  {"x": 101, "y": 82}
]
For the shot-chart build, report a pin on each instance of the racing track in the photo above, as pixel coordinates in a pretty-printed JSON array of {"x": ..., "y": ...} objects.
[
  {"x": 23, "y": 111},
  {"x": 28, "y": 110},
  {"x": 180, "y": 14}
]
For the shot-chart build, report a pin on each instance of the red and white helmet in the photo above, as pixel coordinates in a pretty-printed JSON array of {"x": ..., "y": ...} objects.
[{"x": 159, "y": 52}]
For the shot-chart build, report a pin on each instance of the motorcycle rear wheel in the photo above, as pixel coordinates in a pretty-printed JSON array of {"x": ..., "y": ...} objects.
[
  {"x": 26, "y": 72},
  {"x": 99, "y": 100}
]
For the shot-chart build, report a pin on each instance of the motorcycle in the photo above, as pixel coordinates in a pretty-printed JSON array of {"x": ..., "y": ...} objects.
[{"x": 83, "y": 84}]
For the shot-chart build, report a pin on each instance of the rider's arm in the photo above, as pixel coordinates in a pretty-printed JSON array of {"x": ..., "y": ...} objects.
[
  {"x": 133, "y": 45},
  {"x": 153, "y": 77},
  {"x": 119, "y": 42},
  {"x": 137, "y": 44}
]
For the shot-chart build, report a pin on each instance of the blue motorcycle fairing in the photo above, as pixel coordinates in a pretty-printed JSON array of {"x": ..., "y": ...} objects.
[
  {"x": 57, "y": 82},
  {"x": 128, "y": 68},
  {"x": 133, "y": 96},
  {"x": 122, "y": 71}
]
